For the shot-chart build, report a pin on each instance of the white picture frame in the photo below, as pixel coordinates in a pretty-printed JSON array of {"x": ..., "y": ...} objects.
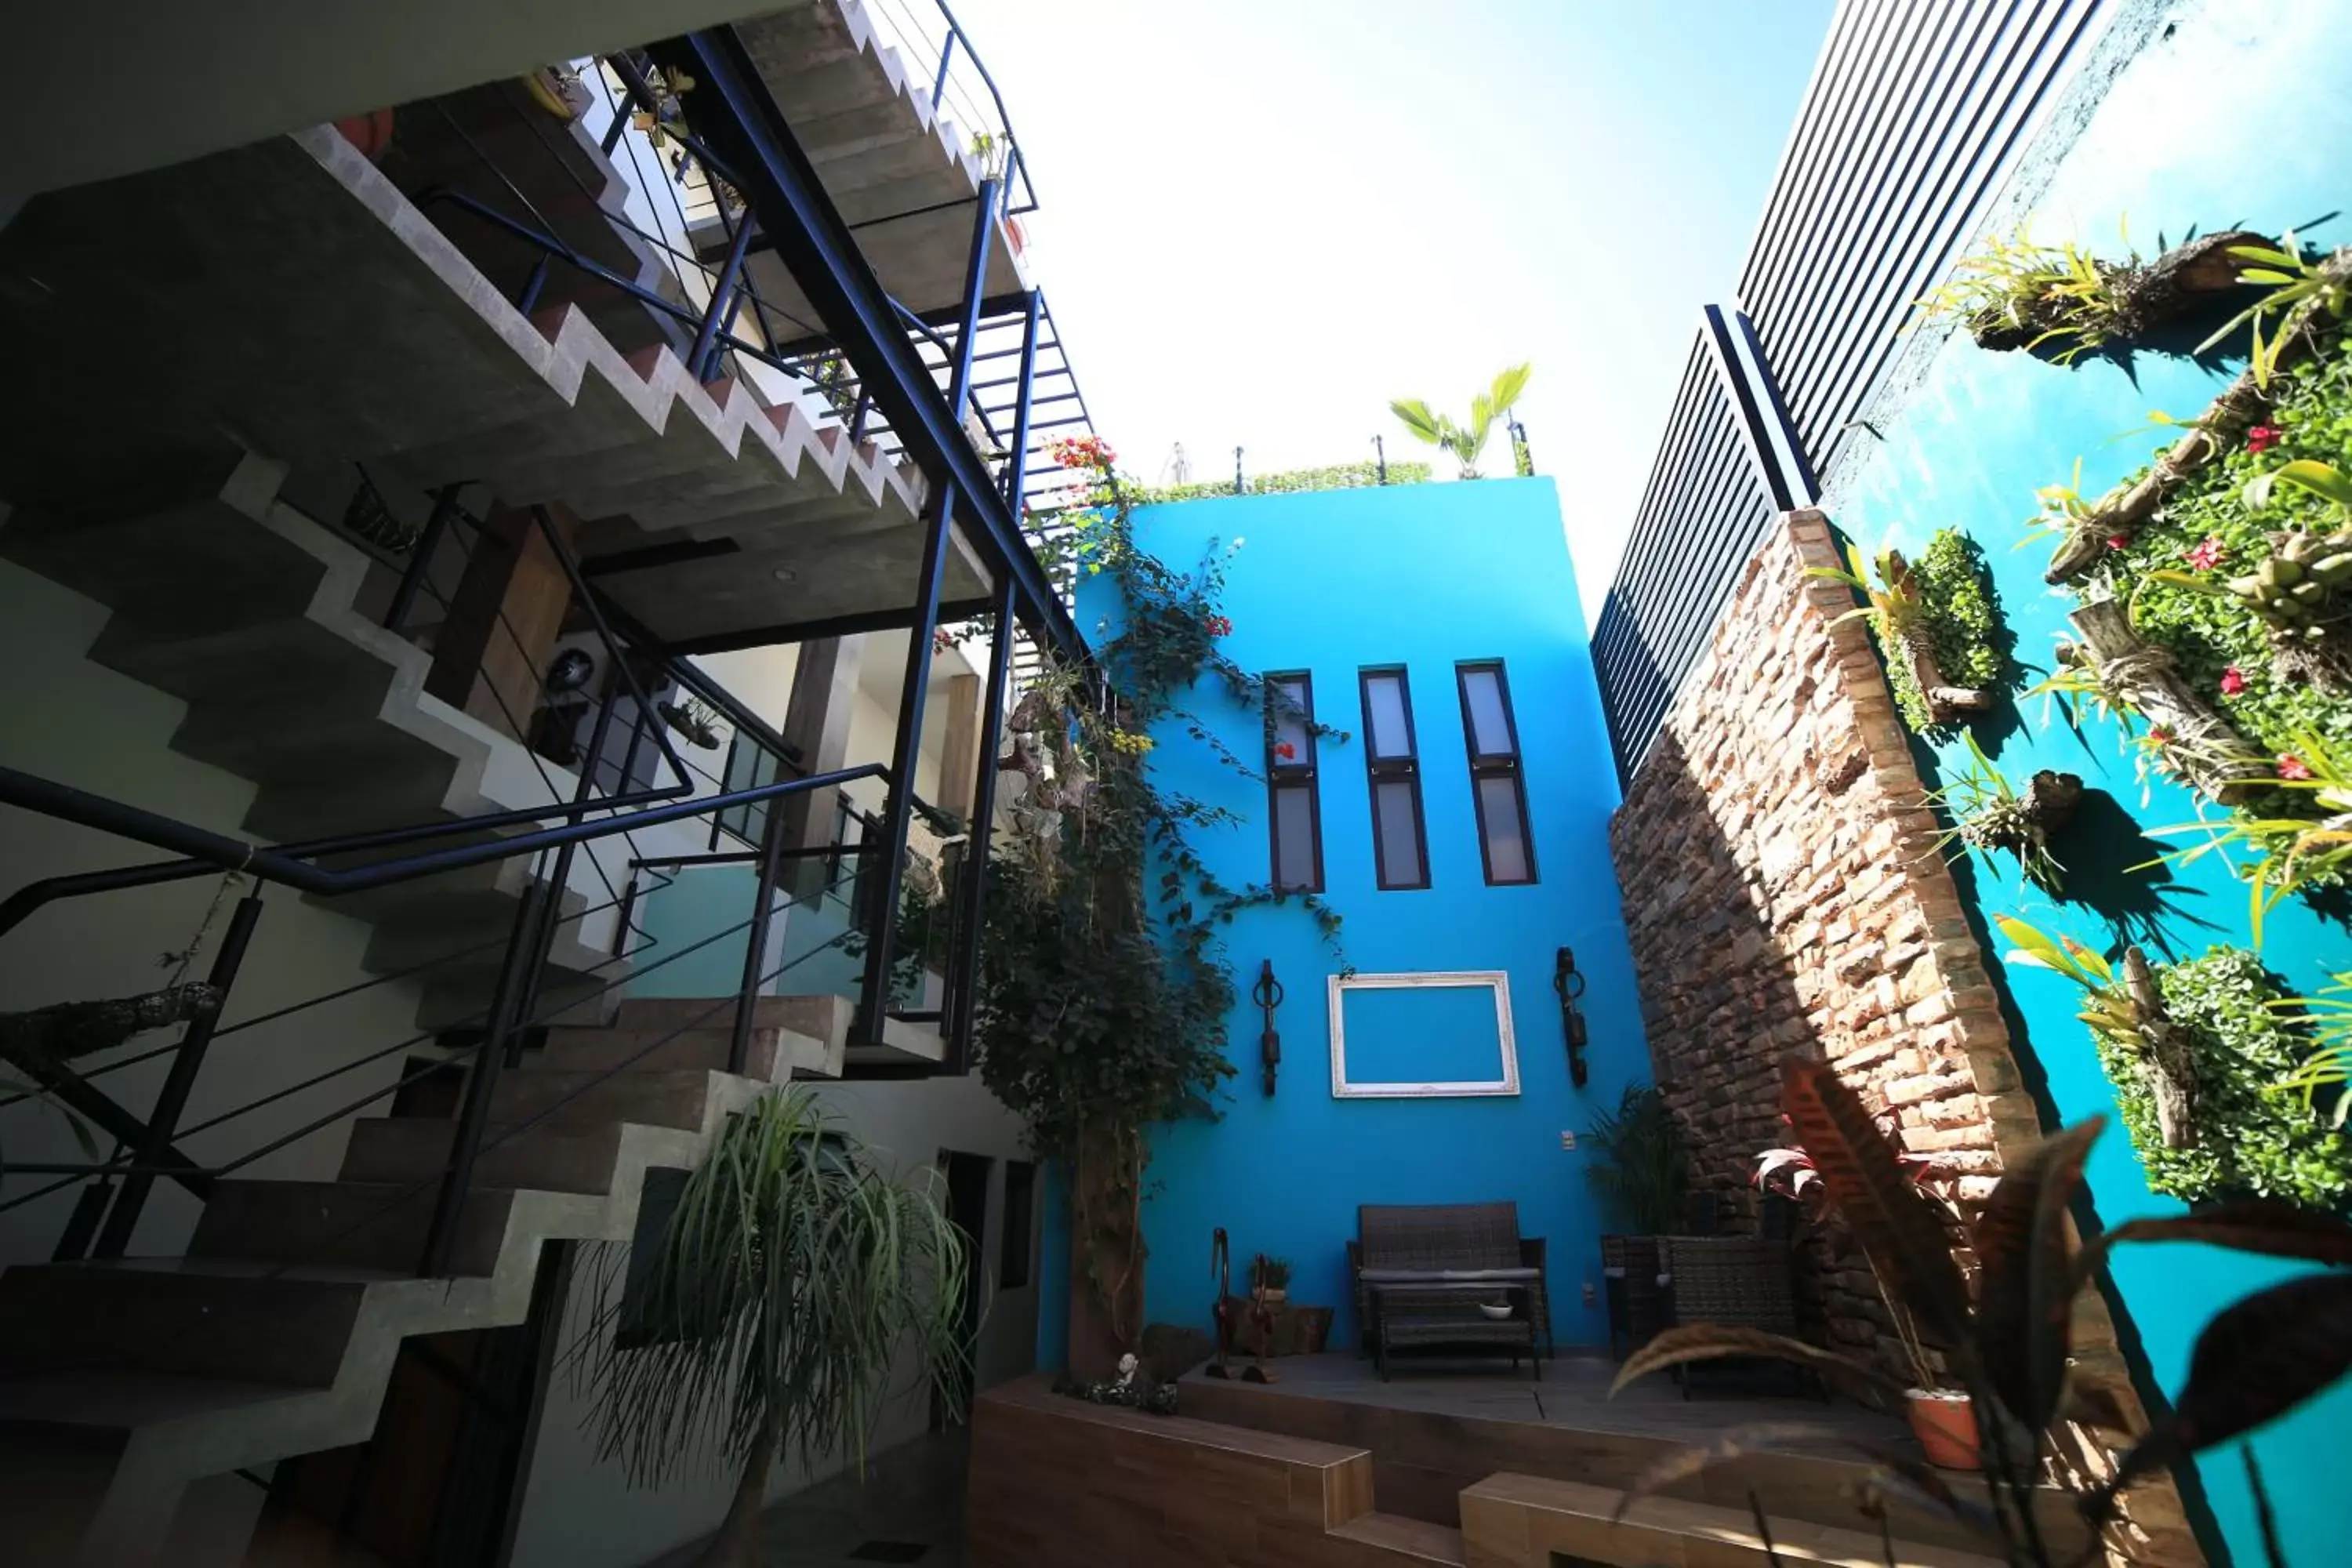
[{"x": 1496, "y": 981}]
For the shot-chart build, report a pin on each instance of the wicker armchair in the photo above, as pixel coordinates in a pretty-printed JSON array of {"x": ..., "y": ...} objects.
[
  {"x": 1735, "y": 1281},
  {"x": 1449, "y": 1248}
]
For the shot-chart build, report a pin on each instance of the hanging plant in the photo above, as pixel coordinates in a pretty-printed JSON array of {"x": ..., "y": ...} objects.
[
  {"x": 1990, "y": 816},
  {"x": 693, "y": 719},
  {"x": 2061, "y": 301},
  {"x": 1938, "y": 627},
  {"x": 2203, "y": 1058}
]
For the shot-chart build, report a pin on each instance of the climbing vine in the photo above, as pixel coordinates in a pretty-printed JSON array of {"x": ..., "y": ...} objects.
[{"x": 1103, "y": 988}]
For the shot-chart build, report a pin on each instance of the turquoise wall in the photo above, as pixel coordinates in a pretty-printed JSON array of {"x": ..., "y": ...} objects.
[
  {"x": 2238, "y": 116},
  {"x": 1423, "y": 576}
]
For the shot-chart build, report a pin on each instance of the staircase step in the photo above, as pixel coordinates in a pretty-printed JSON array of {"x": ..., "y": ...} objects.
[
  {"x": 545, "y": 1157},
  {"x": 819, "y": 1016},
  {"x": 188, "y": 1317},
  {"x": 1406, "y": 1540},
  {"x": 348, "y": 1223},
  {"x": 679, "y": 1098},
  {"x": 1513, "y": 1519},
  {"x": 774, "y": 1055}
]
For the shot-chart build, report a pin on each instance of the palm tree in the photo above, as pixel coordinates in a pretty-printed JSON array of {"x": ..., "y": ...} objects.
[
  {"x": 1465, "y": 441},
  {"x": 791, "y": 1279}
]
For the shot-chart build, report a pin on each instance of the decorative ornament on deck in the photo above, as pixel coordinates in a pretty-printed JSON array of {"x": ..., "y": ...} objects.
[
  {"x": 1221, "y": 1269},
  {"x": 1570, "y": 984},
  {"x": 1267, "y": 995}
]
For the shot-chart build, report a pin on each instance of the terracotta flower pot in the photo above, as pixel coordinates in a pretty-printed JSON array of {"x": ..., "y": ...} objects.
[
  {"x": 369, "y": 132},
  {"x": 1946, "y": 1425}
]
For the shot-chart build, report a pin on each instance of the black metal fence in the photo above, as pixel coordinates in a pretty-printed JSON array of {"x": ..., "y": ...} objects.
[{"x": 1916, "y": 119}]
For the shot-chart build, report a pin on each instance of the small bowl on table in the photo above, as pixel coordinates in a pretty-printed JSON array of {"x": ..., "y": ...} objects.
[{"x": 1498, "y": 1311}]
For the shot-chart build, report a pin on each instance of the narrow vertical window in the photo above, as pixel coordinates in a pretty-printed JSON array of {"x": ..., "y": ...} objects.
[
  {"x": 1399, "y": 853},
  {"x": 1294, "y": 820},
  {"x": 1498, "y": 788},
  {"x": 1014, "y": 1249}
]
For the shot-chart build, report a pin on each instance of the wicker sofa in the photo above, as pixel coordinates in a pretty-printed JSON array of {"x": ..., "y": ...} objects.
[{"x": 1420, "y": 1272}]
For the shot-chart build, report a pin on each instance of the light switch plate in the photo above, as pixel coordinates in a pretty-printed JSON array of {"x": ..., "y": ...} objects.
[{"x": 1568, "y": 1140}]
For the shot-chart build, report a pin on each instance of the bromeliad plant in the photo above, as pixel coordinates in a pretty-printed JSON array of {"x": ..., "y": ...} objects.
[
  {"x": 2018, "y": 294},
  {"x": 2007, "y": 1339},
  {"x": 792, "y": 1278},
  {"x": 1937, "y": 624},
  {"x": 1465, "y": 441}
]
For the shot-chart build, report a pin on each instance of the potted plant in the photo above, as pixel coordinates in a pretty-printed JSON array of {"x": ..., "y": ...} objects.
[
  {"x": 2008, "y": 1340},
  {"x": 1942, "y": 1417},
  {"x": 1270, "y": 1278},
  {"x": 791, "y": 1279},
  {"x": 1642, "y": 1174},
  {"x": 695, "y": 720}
]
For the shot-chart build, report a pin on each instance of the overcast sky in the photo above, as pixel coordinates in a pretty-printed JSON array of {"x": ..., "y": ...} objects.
[{"x": 1263, "y": 219}]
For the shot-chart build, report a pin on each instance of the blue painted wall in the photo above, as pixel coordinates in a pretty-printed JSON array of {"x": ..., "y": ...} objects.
[
  {"x": 2235, "y": 117},
  {"x": 1422, "y": 577}
]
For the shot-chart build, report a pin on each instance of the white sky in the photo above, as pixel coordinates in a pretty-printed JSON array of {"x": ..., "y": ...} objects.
[{"x": 1263, "y": 219}]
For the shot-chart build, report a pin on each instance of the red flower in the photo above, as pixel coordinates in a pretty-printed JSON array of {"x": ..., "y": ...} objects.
[
  {"x": 2206, "y": 553},
  {"x": 2160, "y": 735},
  {"x": 2232, "y": 681},
  {"x": 2291, "y": 766},
  {"x": 2262, "y": 437},
  {"x": 1219, "y": 626},
  {"x": 1285, "y": 750},
  {"x": 2118, "y": 541}
]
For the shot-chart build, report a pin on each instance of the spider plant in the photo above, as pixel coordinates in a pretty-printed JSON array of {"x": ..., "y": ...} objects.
[
  {"x": 1463, "y": 441},
  {"x": 792, "y": 1278},
  {"x": 1643, "y": 1168}
]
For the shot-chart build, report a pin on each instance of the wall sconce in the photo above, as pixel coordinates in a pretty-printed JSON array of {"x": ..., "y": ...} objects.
[
  {"x": 1570, "y": 985},
  {"x": 1267, "y": 995}
]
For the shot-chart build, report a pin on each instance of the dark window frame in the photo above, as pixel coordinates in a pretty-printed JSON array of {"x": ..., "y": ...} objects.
[
  {"x": 1494, "y": 764},
  {"x": 1405, "y": 770},
  {"x": 1017, "y": 1263},
  {"x": 1299, "y": 774}
]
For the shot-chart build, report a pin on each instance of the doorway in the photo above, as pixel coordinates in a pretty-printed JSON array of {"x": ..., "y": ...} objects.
[{"x": 967, "y": 1191}]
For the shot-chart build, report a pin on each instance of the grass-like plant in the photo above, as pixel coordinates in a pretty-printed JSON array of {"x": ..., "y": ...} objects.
[
  {"x": 2016, "y": 293},
  {"x": 1643, "y": 1165},
  {"x": 2007, "y": 1341},
  {"x": 2279, "y": 851},
  {"x": 793, "y": 1279},
  {"x": 1989, "y": 813},
  {"x": 2291, "y": 281},
  {"x": 1269, "y": 1273}
]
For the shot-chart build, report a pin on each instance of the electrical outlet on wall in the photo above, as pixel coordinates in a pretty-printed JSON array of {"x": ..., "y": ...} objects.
[
  {"x": 1592, "y": 1298},
  {"x": 1568, "y": 1140}
]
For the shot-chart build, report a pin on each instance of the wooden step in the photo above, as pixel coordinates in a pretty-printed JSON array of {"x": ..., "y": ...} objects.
[
  {"x": 772, "y": 1055},
  {"x": 188, "y": 1317},
  {"x": 548, "y": 1157},
  {"x": 1509, "y": 1521},
  {"x": 367, "y": 1225},
  {"x": 1405, "y": 1540},
  {"x": 679, "y": 1099}
]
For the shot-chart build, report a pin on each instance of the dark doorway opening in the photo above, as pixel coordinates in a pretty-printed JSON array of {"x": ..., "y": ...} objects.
[{"x": 967, "y": 1194}]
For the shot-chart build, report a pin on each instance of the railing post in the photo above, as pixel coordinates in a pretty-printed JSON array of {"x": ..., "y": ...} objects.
[
  {"x": 560, "y": 879},
  {"x": 755, "y": 953},
  {"x": 1016, "y": 471},
  {"x": 525, "y": 946},
  {"x": 164, "y": 1121},
  {"x": 723, "y": 299},
  {"x": 420, "y": 559},
  {"x": 1237, "y": 471},
  {"x": 971, "y": 891},
  {"x": 527, "y": 299},
  {"x": 940, "y": 83},
  {"x": 975, "y": 284}
]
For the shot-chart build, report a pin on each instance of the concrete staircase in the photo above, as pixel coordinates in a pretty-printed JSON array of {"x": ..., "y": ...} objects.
[
  {"x": 122, "y": 1383},
  {"x": 287, "y": 294},
  {"x": 902, "y": 174},
  {"x": 229, "y": 600}
]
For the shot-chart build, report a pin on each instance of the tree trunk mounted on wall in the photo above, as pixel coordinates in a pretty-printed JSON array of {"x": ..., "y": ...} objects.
[
  {"x": 1915, "y": 647},
  {"x": 2203, "y": 748},
  {"x": 2170, "y": 1070}
]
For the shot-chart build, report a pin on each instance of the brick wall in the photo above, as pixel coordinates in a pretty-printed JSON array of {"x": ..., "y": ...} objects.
[{"x": 1783, "y": 892}]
